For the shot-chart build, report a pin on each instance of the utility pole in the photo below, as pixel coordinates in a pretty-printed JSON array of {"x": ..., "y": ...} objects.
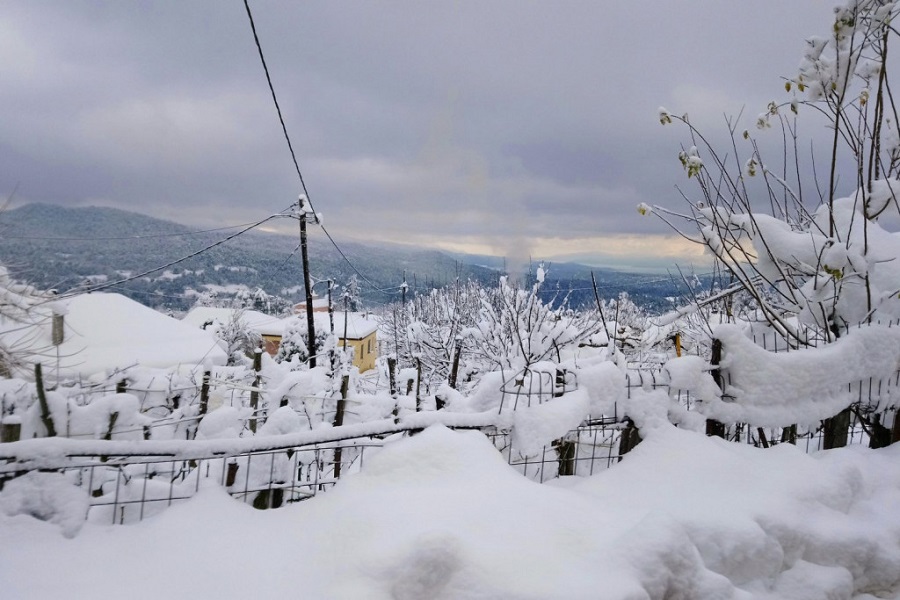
[
  {"x": 346, "y": 310},
  {"x": 304, "y": 256},
  {"x": 330, "y": 306},
  {"x": 403, "y": 287}
]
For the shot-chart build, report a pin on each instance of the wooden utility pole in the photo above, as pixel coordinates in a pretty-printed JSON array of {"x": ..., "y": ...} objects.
[
  {"x": 330, "y": 306},
  {"x": 304, "y": 256},
  {"x": 346, "y": 309}
]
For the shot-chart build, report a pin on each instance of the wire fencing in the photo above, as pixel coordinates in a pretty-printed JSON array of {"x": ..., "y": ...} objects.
[{"x": 130, "y": 481}]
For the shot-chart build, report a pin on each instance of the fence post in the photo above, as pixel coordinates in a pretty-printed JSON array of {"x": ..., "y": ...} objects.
[
  {"x": 566, "y": 450},
  {"x": 881, "y": 435},
  {"x": 46, "y": 417},
  {"x": 835, "y": 429},
  {"x": 392, "y": 377},
  {"x": 254, "y": 393},
  {"x": 789, "y": 435},
  {"x": 10, "y": 432},
  {"x": 231, "y": 474},
  {"x": 204, "y": 393},
  {"x": 338, "y": 421},
  {"x": 113, "y": 417},
  {"x": 713, "y": 427},
  {"x": 629, "y": 438},
  {"x": 895, "y": 430}
]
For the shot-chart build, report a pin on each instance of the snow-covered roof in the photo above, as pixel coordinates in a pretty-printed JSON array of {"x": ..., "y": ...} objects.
[
  {"x": 358, "y": 325},
  {"x": 261, "y": 323},
  {"x": 108, "y": 331},
  {"x": 318, "y": 303}
]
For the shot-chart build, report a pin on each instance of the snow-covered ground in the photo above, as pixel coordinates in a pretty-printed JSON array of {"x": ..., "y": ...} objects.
[{"x": 441, "y": 515}]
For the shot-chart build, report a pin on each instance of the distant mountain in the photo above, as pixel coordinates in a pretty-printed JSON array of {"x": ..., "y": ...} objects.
[{"x": 68, "y": 248}]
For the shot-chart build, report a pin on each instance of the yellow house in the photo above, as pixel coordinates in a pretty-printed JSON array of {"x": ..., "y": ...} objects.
[{"x": 360, "y": 333}]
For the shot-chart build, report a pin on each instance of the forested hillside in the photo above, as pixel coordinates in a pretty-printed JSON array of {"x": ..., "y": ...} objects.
[{"x": 67, "y": 248}]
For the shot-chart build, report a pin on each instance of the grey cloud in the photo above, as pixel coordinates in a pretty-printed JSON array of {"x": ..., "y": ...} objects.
[{"x": 498, "y": 120}]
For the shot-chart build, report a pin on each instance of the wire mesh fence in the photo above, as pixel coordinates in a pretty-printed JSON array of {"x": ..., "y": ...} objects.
[{"x": 129, "y": 487}]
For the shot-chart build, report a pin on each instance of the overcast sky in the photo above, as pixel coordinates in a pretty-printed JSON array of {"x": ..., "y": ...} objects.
[{"x": 503, "y": 127}]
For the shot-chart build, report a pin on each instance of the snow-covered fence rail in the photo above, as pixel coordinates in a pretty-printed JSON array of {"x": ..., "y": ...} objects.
[
  {"x": 813, "y": 337},
  {"x": 851, "y": 385},
  {"x": 129, "y": 480}
]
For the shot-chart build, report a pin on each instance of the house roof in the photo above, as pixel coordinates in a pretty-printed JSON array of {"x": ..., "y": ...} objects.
[
  {"x": 358, "y": 326},
  {"x": 261, "y": 323},
  {"x": 108, "y": 331},
  {"x": 317, "y": 303}
]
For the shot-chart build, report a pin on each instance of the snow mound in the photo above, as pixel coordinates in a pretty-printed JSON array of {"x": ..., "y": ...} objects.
[
  {"x": 440, "y": 515},
  {"x": 47, "y": 497}
]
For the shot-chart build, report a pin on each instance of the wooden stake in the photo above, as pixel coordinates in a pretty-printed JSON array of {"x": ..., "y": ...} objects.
[
  {"x": 254, "y": 394},
  {"x": 339, "y": 421},
  {"x": 629, "y": 438},
  {"x": 46, "y": 417},
  {"x": 713, "y": 427},
  {"x": 204, "y": 393}
]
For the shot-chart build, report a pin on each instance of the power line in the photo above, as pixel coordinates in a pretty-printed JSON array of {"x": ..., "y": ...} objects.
[
  {"x": 287, "y": 138},
  {"x": 110, "y": 284},
  {"x": 275, "y": 100}
]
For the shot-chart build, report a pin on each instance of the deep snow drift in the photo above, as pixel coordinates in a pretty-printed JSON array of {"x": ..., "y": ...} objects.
[{"x": 440, "y": 515}]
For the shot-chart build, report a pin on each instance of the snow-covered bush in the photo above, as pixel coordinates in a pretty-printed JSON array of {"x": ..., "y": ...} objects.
[
  {"x": 295, "y": 341},
  {"x": 238, "y": 339}
]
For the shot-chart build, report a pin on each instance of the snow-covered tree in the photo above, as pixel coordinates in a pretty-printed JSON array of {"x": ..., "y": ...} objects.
[
  {"x": 817, "y": 258},
  {"x": 240, "y": 340},
  {"x": 294, "y": 341},
  {"x": 23, "y": 310},
  {"x": 515, "y": 328},
  {"x": 825, "y": 258}
]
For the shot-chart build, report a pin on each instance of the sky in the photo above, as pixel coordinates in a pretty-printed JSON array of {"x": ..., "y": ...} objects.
[{"x": 520, "y": 129}]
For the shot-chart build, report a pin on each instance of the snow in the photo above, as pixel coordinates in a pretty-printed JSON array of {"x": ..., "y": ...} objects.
[
  {"x": 536, "y": 427},
  {"x": 105, "y": 332},
  {"x": 47, "y": 497},
  {"x": 691, "y": 373},
  {"x": 261, "y": 323},
  {"x": 440, "y": 515},
  {"x": 359, "y": 325},
  {"x": 803, "y": 386}
]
